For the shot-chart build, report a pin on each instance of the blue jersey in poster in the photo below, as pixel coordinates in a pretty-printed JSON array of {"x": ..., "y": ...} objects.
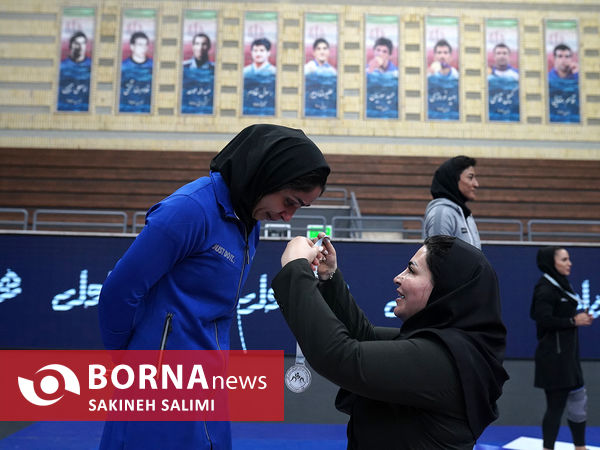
[
  {"x": 442, "y": 96},
  {"x": 136, "y": 86},
  {"x": 382, "y": 93},
  {"x": 197, "y": 93},
  {"x": 563, "y": 96},
  {"x": 320, "y": 92},
  {"x": 259, "y": 90},
  {"x": 503, "y": 98},
  {"x": 74, "y": 85}
]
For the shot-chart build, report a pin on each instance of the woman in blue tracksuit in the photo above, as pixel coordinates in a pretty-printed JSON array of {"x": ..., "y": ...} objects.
[{"x": 184, "y": 272}]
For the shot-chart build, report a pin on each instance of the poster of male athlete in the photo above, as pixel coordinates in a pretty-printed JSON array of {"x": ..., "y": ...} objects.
[
  {"x": 381, "y": 45},
  {"x": 199, "y": 50},
  {"x": 138, "y": 35},
  {"x": 76, "y": 47},
  {"x": 260, "y": 63},
  {"x": 562, "y": 46},
  {"x": 441, "y": 46},
  {"x": 502, "y": 55},
  {"x": 320, "y": 68}
]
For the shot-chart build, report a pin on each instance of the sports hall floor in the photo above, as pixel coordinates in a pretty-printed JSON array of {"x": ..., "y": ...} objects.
[{"x": 311, "y": 422}]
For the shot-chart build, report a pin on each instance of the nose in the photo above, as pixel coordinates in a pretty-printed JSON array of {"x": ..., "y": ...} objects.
[
  {"x": 475, "y": 182},
  {"x": 398, "y": 278},
  {"x": 286, "y": 215}
]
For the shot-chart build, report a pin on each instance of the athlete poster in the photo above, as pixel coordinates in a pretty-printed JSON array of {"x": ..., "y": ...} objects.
[
  {"x": 502, "y": 58},
  {"x": 320, "y": 65},
  {"x": 441, "y": 46},
  {"x": 75, "y": 70},
  {"x": 138, "y": 36},
  {"x": 381, "y": 45},
  {"x": 199, "y": 50},
  {"x": 562, "y": 48},
  {"x": 260, "y": 63}
]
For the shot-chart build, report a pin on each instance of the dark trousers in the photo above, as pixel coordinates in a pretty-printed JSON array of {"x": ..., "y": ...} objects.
[{"x": 555, "y": 406}]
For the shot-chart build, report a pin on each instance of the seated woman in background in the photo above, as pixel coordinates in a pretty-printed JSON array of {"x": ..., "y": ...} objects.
[{"x": 431, "y": 384}]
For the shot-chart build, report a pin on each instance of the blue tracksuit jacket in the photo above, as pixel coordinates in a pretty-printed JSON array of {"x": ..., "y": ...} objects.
[{"x": 190, "y": 262}]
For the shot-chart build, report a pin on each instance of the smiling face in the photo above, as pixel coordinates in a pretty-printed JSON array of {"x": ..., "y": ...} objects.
[
  {"x": 468, "y": 184},
  {"x": 414, "y": 286},
  {"x": 282, "y": 205},
  {"x": 562, "y": 263}
]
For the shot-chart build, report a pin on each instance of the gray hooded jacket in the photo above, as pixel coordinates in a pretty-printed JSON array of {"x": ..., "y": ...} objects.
[{"x": 443, "y": 216}]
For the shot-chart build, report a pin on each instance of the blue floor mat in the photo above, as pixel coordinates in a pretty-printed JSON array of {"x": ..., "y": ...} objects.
[{"x": 258, "y": 436}]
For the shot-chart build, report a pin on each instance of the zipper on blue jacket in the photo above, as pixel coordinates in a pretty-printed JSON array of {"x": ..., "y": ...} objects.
[
  {"x": 246, "y": 261},
  {"x": 207, "y": 435},
  {"x": 166, "y": 331},
  {"x": 557, "y": 343},
  {"x": 163, "y": 343}
]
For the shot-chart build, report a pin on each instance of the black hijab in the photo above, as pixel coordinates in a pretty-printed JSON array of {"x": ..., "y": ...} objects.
[
  {"x": 445, "y": 181},
  {"x": 463, "y": 311},
  {"x": 545, "y": 262},
  {"x": 260, "y": 160}
]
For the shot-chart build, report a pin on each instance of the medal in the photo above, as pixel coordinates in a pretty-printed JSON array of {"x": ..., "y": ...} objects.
[{"x": 298, "y": 377}]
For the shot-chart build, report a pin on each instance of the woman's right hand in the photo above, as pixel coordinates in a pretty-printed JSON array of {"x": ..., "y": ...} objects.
[
  {"x": 327, "y": 258},
  {"x": 583, "y": 319}
]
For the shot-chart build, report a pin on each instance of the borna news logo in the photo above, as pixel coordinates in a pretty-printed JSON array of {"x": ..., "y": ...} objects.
[{"x": 51, "y": 387}]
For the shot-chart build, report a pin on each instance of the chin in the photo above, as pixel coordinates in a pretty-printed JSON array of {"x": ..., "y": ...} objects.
[{"x": 399, "y": 314}]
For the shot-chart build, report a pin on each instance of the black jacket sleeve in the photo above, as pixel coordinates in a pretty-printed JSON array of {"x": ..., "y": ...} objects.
[{"x": 342, "y": 345}]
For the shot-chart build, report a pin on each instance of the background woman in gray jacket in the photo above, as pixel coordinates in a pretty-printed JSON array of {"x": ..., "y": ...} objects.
[{"x": 453, "y": 184}]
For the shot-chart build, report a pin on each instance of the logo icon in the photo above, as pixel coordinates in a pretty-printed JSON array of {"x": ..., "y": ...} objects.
[
  {"x": 52, "y": 386},
  {"x": 298, "y": 378}
]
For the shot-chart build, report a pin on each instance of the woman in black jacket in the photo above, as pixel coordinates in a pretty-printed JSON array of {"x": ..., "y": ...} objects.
[
  {"x": 432, "y": 384},
  {"x": 557, "y": 367}
]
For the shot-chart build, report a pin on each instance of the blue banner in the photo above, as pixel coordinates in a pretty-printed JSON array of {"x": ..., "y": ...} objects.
[
  {"x": 74, "y": 85},
  {"x": 320, "y": 97},
  {"x": 136, "y": 87},
  {"x": 49, "y": 288},
  {"x": 442, "y": 98},
  {"x": 503, "y": 99},
  {"x": 564, "y": 100},
  {"x": 197, "y": 90},
  {"x": 382, "y": 95},
  {"x": 259, "y": 94}
]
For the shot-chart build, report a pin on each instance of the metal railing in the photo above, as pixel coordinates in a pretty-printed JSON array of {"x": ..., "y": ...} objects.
[
  {"x": 353, "y": 225},
  {"x": 71, "y": 218},
  {"x": 135, "y": 222},
  {"x": 357, "y": 227},
  {"x": 517, "y": 234},
  {"x": 567, "y": 230},
  {"x": 298, "y": 226},
  {"x": 8, "y": 218}
]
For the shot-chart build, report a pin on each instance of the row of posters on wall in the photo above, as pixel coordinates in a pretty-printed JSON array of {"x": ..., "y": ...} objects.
[{"x": 321, "y": 50}]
